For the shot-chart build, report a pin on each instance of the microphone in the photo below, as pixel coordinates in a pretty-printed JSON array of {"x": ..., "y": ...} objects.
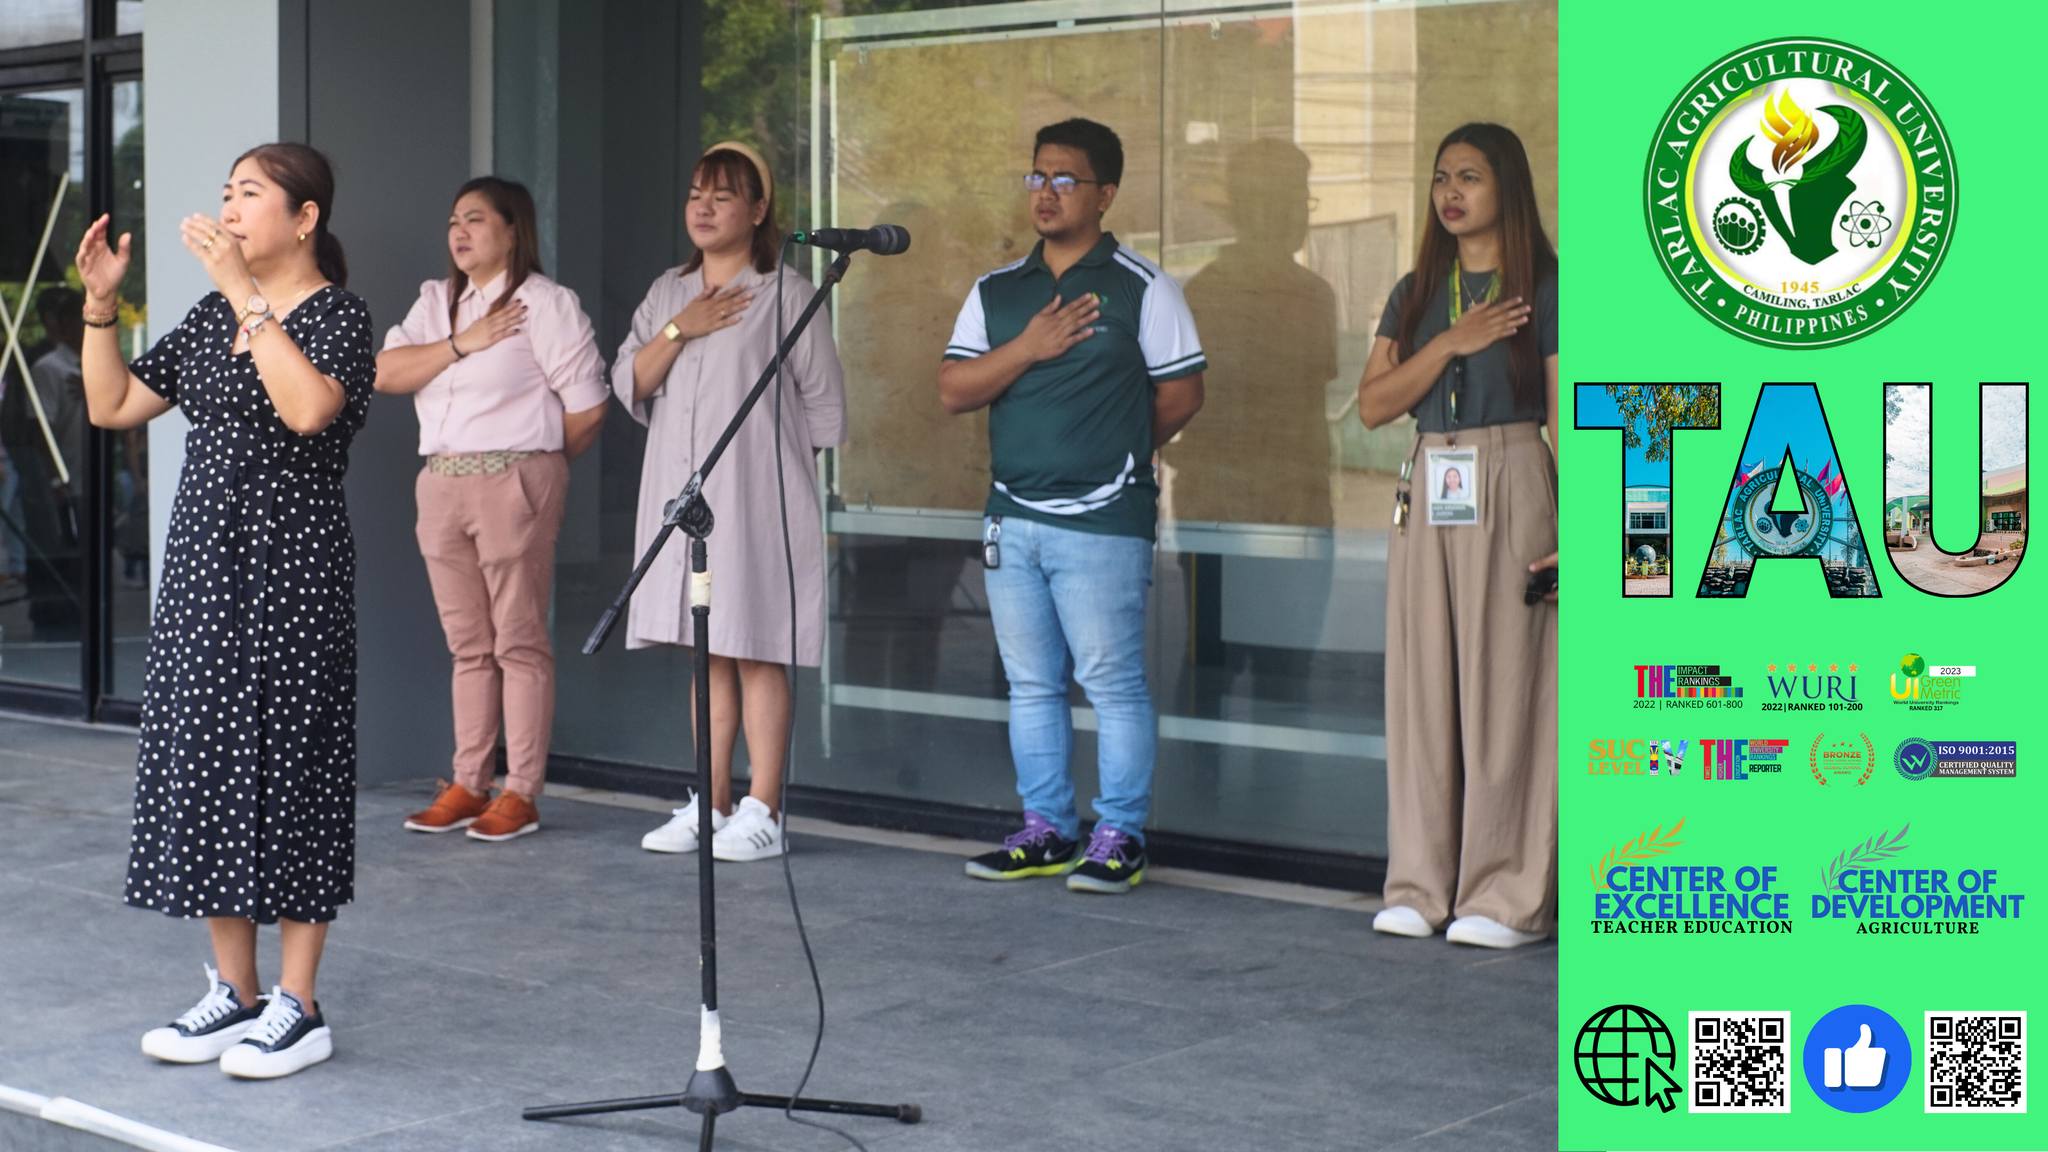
[{"x": 882, "y": 239}]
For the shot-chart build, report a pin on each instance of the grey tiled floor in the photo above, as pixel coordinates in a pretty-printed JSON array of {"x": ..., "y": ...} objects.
[{"x": 470, "y": 979}]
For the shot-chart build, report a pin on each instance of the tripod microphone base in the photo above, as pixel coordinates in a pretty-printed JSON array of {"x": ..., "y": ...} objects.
[
  {"x": 712, "y": 1091},
  {"x": 901, "y": 1113}
]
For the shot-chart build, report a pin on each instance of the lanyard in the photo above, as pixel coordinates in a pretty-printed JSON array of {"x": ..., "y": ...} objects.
[
  {"x": 1458, "y": 290},
  {"x": 1458, "y": 310}
]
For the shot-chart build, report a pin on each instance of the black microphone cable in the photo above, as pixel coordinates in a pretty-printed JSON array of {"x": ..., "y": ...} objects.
[
  {"x": 796, "y": 62},
  {"x": 789, "y": 734}
]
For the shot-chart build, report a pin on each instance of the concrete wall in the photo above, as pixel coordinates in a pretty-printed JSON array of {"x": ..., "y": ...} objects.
[
  {"x": 331, "y": 74},
  {"x": 202, "y": 114},
  {"x": 392, "y": 111}
]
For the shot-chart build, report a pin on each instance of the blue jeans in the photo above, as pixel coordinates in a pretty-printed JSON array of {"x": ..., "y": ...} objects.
[{"x": 1066, "y": 601}]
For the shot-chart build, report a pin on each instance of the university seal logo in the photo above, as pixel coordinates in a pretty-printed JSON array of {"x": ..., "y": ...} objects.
[{"x": 1800, "y": 193}]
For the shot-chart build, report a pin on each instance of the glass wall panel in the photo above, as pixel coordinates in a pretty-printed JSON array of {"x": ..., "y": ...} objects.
[
  {"x": 42, "y": 401},
  {"x": 601, "y": 110},
  {"x": 1276, "y": 163},
  {"x": 927, "y": 119},
  {"x": 1299, "y": 139}
]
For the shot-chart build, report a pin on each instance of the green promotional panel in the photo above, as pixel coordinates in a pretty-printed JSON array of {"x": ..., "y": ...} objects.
[{"x": 1801, "y": 705}]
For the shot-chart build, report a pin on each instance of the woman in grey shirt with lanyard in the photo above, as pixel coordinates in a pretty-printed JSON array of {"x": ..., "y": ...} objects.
[{"x": 1468, "y": 346}]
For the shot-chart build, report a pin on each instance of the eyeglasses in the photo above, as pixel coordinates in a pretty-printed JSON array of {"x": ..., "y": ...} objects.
[{"x": 1062, "y": 184}]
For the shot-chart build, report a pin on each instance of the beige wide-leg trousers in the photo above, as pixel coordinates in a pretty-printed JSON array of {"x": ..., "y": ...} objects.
[{"x": 1472, "y": 694}]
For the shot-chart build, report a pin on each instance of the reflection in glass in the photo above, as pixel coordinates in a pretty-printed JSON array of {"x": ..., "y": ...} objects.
[
  {"x": 915, "y": 683},
  {"x": 663, "y": 80},
  {"x": 42, "y": 401},
  {"x": 27, "y": 23},
  {"x": 1276, "y": 162},
  {"x": 1260, "y": 451}
]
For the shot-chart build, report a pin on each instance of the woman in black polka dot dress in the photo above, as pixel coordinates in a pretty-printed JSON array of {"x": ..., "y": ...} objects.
[{"x": 245, "y": 787}]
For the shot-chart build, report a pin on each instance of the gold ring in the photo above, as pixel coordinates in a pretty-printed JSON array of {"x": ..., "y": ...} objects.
[{"x": 208, "y": 244}]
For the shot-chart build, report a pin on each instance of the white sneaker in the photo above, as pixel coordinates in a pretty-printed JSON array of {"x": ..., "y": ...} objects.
[
  {"x": 1486, "y": 932},
  {"x": 1401, "y": 920},
  {"x": 212, "y": 1026},
  {"x": 287, "y": 1039},
  {"x": 680, "y": 833},
  {"x": 751, "y": 834}
]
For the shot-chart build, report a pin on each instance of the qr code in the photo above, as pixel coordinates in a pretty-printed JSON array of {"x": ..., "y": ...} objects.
[
  {"x": 1976, "y": 1062},
  {"x": 1740, "y": 1062}
]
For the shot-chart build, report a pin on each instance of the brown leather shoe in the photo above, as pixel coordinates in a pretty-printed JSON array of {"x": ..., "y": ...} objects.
[
  {"x": 509, "y": 817},
  {"x": 453, "y": 808}
]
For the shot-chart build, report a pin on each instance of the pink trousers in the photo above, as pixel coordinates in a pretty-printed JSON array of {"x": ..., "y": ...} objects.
[{"x": 489, "y": 543}]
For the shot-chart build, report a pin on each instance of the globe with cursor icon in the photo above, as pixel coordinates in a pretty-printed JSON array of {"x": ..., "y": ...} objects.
[{"x": 1624, "y": 1056}]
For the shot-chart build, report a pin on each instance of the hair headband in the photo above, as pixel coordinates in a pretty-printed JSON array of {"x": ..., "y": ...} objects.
[{"x": 754, "y": 158}]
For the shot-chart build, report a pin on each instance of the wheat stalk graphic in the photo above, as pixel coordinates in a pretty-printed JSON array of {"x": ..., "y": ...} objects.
[
  {"x": 1656, "y": 842},
  {"x": 1873, "y": 849}
]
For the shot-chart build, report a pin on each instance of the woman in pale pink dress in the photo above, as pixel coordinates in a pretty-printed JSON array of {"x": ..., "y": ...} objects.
[{"x": 702, "y": 336}]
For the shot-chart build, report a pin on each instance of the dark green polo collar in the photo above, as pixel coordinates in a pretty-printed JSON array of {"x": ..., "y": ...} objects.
[{"x": 1102, "y": 253}]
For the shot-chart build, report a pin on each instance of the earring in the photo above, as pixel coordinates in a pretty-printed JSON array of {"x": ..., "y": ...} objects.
[{"x": 302, "y": 237}]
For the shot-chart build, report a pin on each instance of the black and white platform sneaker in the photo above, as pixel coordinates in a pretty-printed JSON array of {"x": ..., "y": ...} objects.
[
  {"x": 211, "y": 1027},
  {"x": 286, "y": 1039}
]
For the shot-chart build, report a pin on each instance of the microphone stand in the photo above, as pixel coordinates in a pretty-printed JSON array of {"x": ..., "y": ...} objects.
[{"x": 711, "y": 1090}]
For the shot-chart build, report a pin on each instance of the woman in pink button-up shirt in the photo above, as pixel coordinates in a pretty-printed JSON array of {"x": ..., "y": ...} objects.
[{"x": 505, "y": 377}]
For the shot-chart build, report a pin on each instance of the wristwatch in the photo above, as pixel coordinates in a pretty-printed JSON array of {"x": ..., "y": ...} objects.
[
  {"x": 256, "y": 304},
  {"x": 256, "y": 320},
  {"x": 674, "y": 334}
]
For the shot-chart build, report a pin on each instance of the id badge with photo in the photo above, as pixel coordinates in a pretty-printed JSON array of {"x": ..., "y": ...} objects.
[{"x": 1451, "y": 479}]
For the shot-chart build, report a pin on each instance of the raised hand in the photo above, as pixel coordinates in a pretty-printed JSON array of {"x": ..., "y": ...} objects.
[
  {"x": 220, "y": 254},
  {"x": 101, "y": 268}
]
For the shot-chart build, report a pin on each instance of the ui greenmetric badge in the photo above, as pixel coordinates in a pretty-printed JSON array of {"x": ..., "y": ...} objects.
[{"x": 1800, "y": 193}]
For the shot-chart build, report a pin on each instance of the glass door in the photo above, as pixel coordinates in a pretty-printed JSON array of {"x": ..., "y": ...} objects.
[
  {"x": 43, "y": 428},
  {"x": 70, "y": 146}
]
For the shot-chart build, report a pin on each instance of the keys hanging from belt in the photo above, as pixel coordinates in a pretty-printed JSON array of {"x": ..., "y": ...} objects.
[
  {"x": 1401, "y": 496},
  {"x": 992, "y": 544}
]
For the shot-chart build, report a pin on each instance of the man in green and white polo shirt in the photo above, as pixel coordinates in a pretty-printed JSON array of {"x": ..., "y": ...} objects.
[{"x": 1086, "y": 357}]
